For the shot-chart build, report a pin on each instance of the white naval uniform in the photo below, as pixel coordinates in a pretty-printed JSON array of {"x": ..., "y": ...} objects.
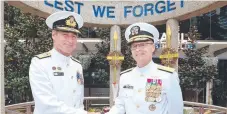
[
  {"x": 53, "y": 80},
  {"x": 132, "y": 100}
]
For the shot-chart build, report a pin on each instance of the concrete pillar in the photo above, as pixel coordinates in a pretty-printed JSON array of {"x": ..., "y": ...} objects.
[
  {"x": 2, "y": 99},
  {"x": 209, "y": 86},
  {"x": 174, "y": 27}
]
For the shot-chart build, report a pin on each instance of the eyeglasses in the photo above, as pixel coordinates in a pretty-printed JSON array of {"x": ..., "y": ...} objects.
[{"x": 141, "y": 45}]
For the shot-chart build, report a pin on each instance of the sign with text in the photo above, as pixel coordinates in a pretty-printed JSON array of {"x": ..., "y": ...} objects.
[
  {"x": 121, "y": 12},
  {"x": 100, "y": 11}
]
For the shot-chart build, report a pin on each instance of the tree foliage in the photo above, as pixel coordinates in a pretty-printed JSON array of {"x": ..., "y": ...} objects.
[
  {"x": 197, "y": 68},
  {"x": 100, "y": 65},
  {"x": 25, "y": 36},
  {"x": 194, "y": 71},
  {"x": 98, "y": 69}
]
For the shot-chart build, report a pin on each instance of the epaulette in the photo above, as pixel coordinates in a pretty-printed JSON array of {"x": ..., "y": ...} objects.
[
  {"x": 125, "y": 71},
  {"x": 166, "y": 69},
  {"x": 74, "y": 59},
  {"x": 43, "y": 55}
]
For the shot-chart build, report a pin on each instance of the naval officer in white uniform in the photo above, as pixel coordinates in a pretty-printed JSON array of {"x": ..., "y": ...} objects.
[
  {"x": 56, "y": 77},
  {"x": 148, "y": 88}
]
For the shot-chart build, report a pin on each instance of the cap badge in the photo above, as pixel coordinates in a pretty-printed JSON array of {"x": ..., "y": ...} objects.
[
  {"x": 71, "y": 21},
  {"x": 135, "y": 30}
]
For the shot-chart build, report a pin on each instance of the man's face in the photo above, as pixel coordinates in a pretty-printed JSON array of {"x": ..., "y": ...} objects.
[
  {"x": 65, "y": 42},
  {"x": 142, "y": 52}
]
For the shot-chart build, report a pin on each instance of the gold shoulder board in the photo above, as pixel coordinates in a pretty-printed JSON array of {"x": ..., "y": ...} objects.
[
  {"x": 43, "y": 55},
  {"x": 167, "y": 69},
  {"x": 74, "y": 59},
  {"x": 125, "y": 71}
]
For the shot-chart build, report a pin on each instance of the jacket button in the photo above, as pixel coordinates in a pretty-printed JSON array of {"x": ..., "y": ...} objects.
[
  {"x": 137, "y": 106},
  {"x": 74, "y": 91},
  {"x": 71, "y": 77}
]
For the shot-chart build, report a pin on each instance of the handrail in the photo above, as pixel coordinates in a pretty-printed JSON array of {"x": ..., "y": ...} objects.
[
  {"x": 20, "y": 105},
  {"x": 32, "y": 102},
  {"x": 12, "y": 112},
  {"x": 28, "y": 105},
  {"x": 205, "y": 105}
]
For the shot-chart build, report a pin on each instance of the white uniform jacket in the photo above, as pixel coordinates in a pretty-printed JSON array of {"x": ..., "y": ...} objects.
[
  {"x": 57, "y": 84},
  {"x": 153, "y": 89}
]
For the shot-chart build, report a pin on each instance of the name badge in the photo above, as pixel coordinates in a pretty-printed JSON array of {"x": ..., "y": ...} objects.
[
  {"x": 58, "y": 73},
  {"x": 128, "y": 86}
]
